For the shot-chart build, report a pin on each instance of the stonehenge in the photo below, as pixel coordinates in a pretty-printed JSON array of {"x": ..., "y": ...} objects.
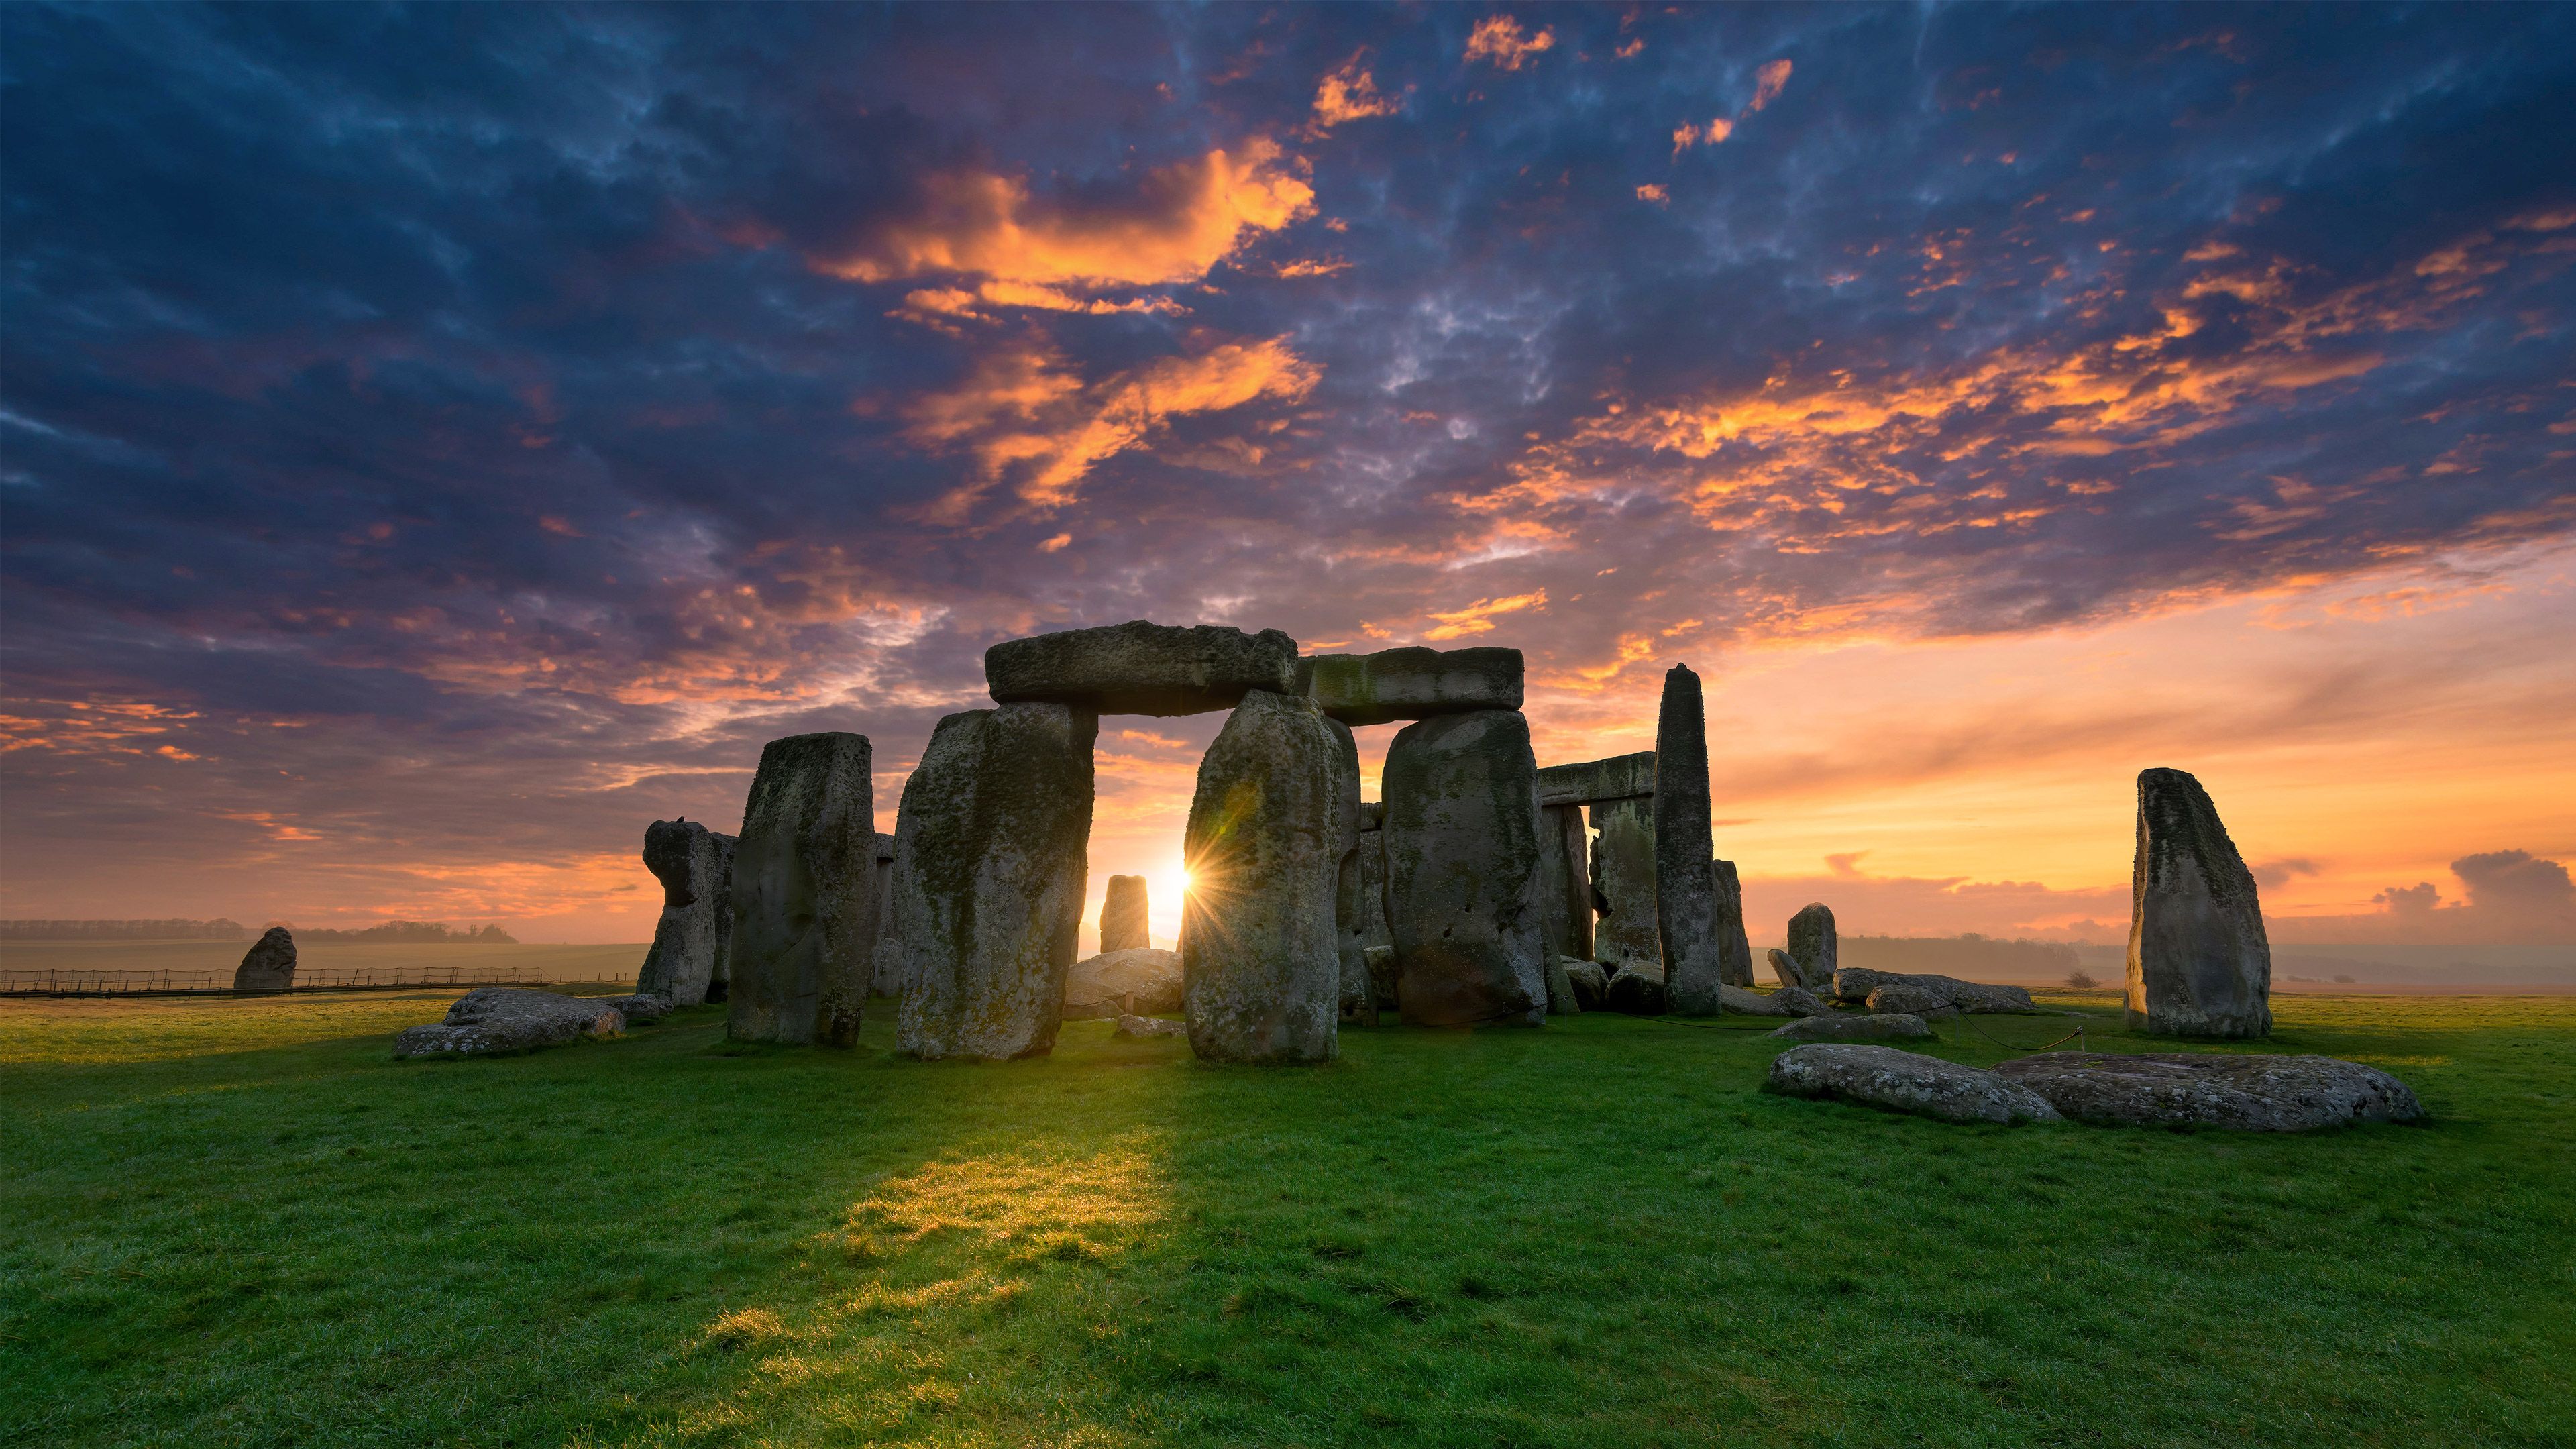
[
  {"x": 1565, "y": 882},
  {"x": 1623, "y": 883},
  {"x": 1462, "y": 870},
  {"x": 695, "y": 868},
  {"x": 269, "y": 964},
  {"x": 1142, "y": 668},
  {"x": 1685, "y": 881},
  {"x": 2200, "y": 964},
  {"x": 804, "y": 894},
  {"x": 1122, "y": 915},
  {"x": 1410, "y": 684}
]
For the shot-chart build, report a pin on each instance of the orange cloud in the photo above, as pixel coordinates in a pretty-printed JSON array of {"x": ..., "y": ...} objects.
[
  {"x": 1179, "y": 223},
  {"x": 1499, "y": 39},
  {"x": 1478, "y": 617},
  {"x": 1688, "y": 135},
  {"x": 1350, "y": 94},
  {"x": 1768, "y": 82},
  {"x": 1653, "y": 192}
]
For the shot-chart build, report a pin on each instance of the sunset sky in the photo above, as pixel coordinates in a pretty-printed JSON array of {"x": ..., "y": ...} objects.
[{"x": 434, "y": 444}]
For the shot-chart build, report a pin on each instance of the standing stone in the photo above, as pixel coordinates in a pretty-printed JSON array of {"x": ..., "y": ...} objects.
[
  {"x": 1735, "y": 952},
  {"x": 1785, "y": 966},
  {"x": 804, "y": 894},
  {"x": 1142, "y": 668},
  {"x": 1685, "y": 886},
  {"x": 1122, "y": 915},
  {"x": 1462, "y": 867},
  {"x": 1565, "y": 882},
  {"x": 1350, "y": 905},
  {"x": 1812, "y": 946},
  {"x": 684, "y": 857},
  {"x": 991, "y": 845},
  {"x": 1375, "y": 933},
  {"x": 720, "y": 974},
  {"x": 269, "y": 964},
  {"x": 888, "y": 972},
  {"x": 1260, "y": 967},
  {"x": 2199, "y": 962},
  {"x": 1623, "y": 883}
]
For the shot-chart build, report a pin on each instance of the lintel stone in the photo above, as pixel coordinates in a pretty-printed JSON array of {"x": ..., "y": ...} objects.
[
  {"x": 1142, "y": 668},
  {"x": 1409, "y": 684},
  {"x": 1621, "y": 777}
]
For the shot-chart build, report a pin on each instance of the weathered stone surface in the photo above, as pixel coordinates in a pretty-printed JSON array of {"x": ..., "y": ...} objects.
[
  {"x": 1859, "y": 983},
  {"x": 1907, "y": 1082},
  {"x": 1813, "y": 946},
  {"x": 1561, "y": 997},
  {"x": 1856, "y": 1028},
  {"x": 638, "y": 1009},
  {"x": 1140, "y": 980},
  {"x": 1386, "y": 975},
  {"x": 1462, "y": 866},
  {"x": 1145, "y": 1026},
  {"x": 1621, "y": 777},
  {"x": 684, "y": 857},
  {"x": 1785, "y": 968},
  {"x": 1409, "y": 684},
  {"x": 1352, "y": 907},
  {"x": 1787, "y": 1001},
  {"x": 1564, "y": 882},
  {"x": 2247, "y": 1093},
  {"x": 1372, "y": 815},
  {"x": 1637, "y": 990},
  {"x": 1591, "y": 983},
  {"x": 1142, "y": 668},
  {"x": 2199, "y": 961},
  {"x": 1374, "y": 929},
  {"x": 720, "y": 975},
  {"x": 1260, "y": 961},
  {"x": 804, "y": 894},
  {"x": 1122, "y": 915},
  {"x": 1685, "y": 881},
  {"x": 1909, "y": 1000},
  {"x": 269, "y": 964},
  {"x": 1623, "y": 883},
  {"x": 990, "y": 849},
  {"x": 495, "y": 1020},
  {"x": 1735, "y": 951},
  {"x": 887, "y": 974}
]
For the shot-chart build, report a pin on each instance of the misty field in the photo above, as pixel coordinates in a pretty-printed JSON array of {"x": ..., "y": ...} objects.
[{"x": 241, "y": 1222}]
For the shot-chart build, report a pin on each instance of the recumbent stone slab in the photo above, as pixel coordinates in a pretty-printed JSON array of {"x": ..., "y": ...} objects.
[
  {"x": 1859, "y": 983},
  {"x": 684, "y": 857},
  {"x": 1409, "y": 684},
  {"x": 1142, "y": 668},
  {"x": 1462, "y": 871},
  {"x": 1787, "y": 1001},
  {"x": 990, "y": 849},
  {"x": 269, "y": 964},
  {"x": 498, "y": 1020},
  {"x": 804, "y": 894},
  {"x": 2247, "y": 1093},
  {"x": 1856, "y": 1028},
  {"x": 2199, "y": 961},
  {"x": 1907, "y": 1082}
]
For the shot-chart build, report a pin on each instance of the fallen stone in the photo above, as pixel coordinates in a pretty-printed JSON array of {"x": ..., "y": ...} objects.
[
  {"x": 1785, "y": 968},
  {"x": 1623, "y": 883},
  {"x": 685, "y": 858},
  {"x": 2199, "y": 962},
  {"x": 639, "y": 1009},
  {"x": 804, "y": 894},
  {"x": 1907, "y": 1082},
  {"x": 269, "y": 964},
  {"x": 1685, "y": 878},
  {"x": 1859, "y": 983},
  {"x": 1410, "y": 684},
  {"x": 1909, "y": 1000},
  {"x": 1144, "y": 1026},
  {"x": 1856, "y": 1028},
  {"x": 1122, "y": 915},
  {"x": 1735, "y": 951},
  {"x": 1637, "y": 990},
  {"x": 1142, "y": 668},
  {"x": 990, "y": 849},
  {"x": 1139, "y": 980},
  {"x": 1787, "y": 1001},
  {"x": 2247, "y": 1093},
  {"x": 1259, "y": 957},
  {"x": 1591, "y": 983},
  {"x": 1621, "y": 777},
  {"x": 1462, "y": 862},
  {"x": 496, "y": 1020},
  {"x": 1813, "y": 946}
]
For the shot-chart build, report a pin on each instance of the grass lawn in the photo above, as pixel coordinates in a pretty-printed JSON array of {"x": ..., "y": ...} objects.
[{"x": 241, "y": 1222}]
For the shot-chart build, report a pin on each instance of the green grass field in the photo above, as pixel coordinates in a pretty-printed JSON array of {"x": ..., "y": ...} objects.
[{"x": 241, "y": 1222}]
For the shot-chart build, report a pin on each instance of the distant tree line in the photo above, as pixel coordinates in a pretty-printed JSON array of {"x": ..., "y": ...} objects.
[
  {"x": 215, "y": 930},
  {"x": 1964, "y": 956},
  {"x": 409, "y": 933}
]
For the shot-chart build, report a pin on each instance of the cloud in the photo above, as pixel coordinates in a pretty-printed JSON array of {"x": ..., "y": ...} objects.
[
  {"x": 1349, "y": 93},
  {"x": 1768, "y": 82},
  {"x": 1500, "y": 40},
  {"x": 2512, "y": 897},
  {"x": 1478, "y": 617}
]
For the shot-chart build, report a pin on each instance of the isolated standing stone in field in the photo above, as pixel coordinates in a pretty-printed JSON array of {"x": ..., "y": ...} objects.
[
  {"x": 1261, "y": 971},
  {"x": 2199, "y": 962},
  {"x": 1142, "y": 668},
  {"x": 1813, "y": 946},
  {"x": 1623, "y": 883},
  {"x": 887, "y": 974},
  {"x": 1462, "y": 870},
  {"x": 1908, "y": 1082},
  {"x": 2177, "y": 1089},
  {"x": 991, "y": 844},
  {"x": 804, "y": 894},
  {"x": 1411, "y": 683},
  {"x": 684, "y": 857},
  {"x": 1685, "y": 886},
  {"x": 1351, "y": 907},
  {"x": 1122, "y": 915},
  {"x": 269, "y": 964},
  {"x": 1564, "y": 882},
  {"x": 1735, "y": 951}
]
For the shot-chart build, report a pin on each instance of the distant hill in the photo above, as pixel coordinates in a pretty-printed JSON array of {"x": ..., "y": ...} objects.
[
  {"x": 409, "y": 933},
  {"x": 215, "y": 930}
]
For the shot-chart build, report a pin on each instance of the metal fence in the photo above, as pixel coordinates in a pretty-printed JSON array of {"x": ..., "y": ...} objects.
[{"x": 220, "y": 983}]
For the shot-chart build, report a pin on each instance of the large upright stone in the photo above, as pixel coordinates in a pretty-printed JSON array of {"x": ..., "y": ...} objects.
[
  {"x": 1408, "y": 684},
  {"x": 720, "y": 976},
  {"x": 1462, "y": 867},
  {"x": 804, "y": 894},
  {"x": 1260, "y": 968},
  {"x": 1621, "y": 777},
  {"x": 1685, "y": 886},
  {"x": 2199, "y": 962},
  {"x": 1735, "y": 950},
  {"x": 888, "y": 972},
  {"x": 1565, "y": 882},
  {"x": 684, "y": 857},
  {"x": 991, "y": 845},
  {"x": 269, "y": 964},
  {"x": 1623, "y": 883},
  {"x": 1122, "y": 915},
  {"x": 1375, "y": 933},
  {"x": 1351, "y": 907},
  {"x": 1813, "y": 945},
  {"x": 1142, "y": 668}
]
